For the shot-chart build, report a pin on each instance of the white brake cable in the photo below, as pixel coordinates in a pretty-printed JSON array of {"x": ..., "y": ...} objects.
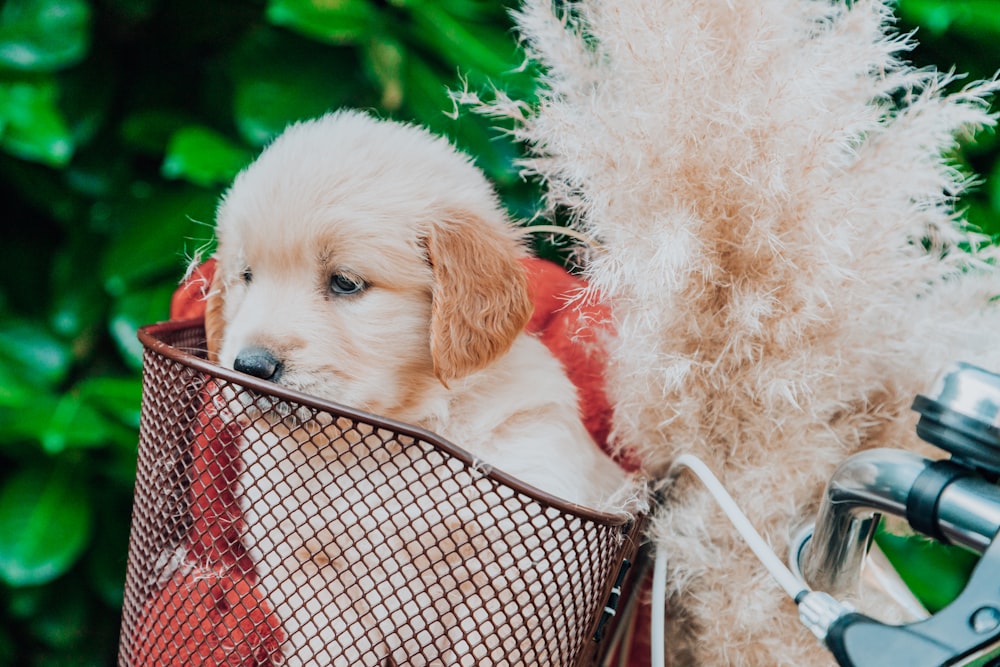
[
  {"x": 816, "y": 610},
  {"x": 658, "y": 617},
  {"x": 792, "y": 585}
]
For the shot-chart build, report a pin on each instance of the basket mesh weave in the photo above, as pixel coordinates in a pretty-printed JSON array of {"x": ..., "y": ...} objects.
[{"x": 273, "y": 528}]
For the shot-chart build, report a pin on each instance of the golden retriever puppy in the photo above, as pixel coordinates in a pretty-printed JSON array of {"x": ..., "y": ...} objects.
[{"x": 369, "y": 263}]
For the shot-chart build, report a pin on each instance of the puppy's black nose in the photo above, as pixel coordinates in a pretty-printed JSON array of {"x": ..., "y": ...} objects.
[{"x": 259, "y": 362}]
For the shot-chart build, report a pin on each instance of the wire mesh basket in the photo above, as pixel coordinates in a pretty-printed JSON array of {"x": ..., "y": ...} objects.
[{"x": 272, "y": 528}]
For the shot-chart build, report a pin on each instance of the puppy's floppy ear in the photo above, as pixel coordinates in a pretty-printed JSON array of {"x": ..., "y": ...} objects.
[
  {"x": 480, "y": 300},
  {"x": 215, "y": 322}
]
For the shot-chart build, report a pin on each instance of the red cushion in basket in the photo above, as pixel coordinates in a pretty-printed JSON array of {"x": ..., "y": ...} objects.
[{"x": 219, "y": 617}]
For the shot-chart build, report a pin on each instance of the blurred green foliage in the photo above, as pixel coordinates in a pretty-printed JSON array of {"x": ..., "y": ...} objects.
[
  {"x": 964, "y": 36},
  {"x": 120, "y": 122}
]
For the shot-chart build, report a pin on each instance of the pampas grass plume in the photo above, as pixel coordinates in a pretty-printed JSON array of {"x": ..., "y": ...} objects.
[{"x": 769, "y": 186}]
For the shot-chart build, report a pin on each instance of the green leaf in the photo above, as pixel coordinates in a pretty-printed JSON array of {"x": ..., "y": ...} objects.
[
  {"x": 116, "y": 397},
  {"x": 13, "y": 390},
  {"x": 978, "y": 18},
  {"x": 43, "y": 35},
  {"x": 149, "y": 131},
  {"x": 495, "y": 153},
  {"x": 464, "y": 10},
  {"x": 79, "y": 303},
  {"x": 33, "y": 353},
  {"x": 75, "y": 423},
  {"x": 26, "y": 423},
  {"x": 33, "y": 127},
  {"x": 985, "y": 217},
  {"x": 427, "y": 96},
  {"x": 334, "y": 21},
  {"x": 133, "y": 311},
  {"x": 45, "y": 521},
  {"x": 467, "y": 46},
  {"x": 98, "y": 412},
  {"x": 993, "y": 191},
  {"x": 279, "y": 79},
  {"x": 933, "y": 16},
  {"x": 159, "y": 225},
  {"x": 203, "y": 156}
]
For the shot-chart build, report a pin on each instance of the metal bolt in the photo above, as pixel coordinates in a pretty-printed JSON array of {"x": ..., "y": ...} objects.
[{"x": 985, "y": 619}]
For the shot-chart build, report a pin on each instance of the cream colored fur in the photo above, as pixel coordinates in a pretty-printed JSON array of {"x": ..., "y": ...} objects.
[
  {"x": 435, "y": 339},
  {"x": 397, "y": 207},
  {"x": 769, "y": 187}
]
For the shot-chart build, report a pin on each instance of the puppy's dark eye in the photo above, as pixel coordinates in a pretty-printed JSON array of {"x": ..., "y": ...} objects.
[
  {"x": 343, "y": 284},
  {"x": 247, "y": 276}
]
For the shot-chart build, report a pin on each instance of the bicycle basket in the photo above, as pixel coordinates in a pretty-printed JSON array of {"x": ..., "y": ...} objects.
[{"x": 270, "y": 527}]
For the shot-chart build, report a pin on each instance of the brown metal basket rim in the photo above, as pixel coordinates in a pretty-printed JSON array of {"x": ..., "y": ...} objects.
[{"x": 149, "y": 337}]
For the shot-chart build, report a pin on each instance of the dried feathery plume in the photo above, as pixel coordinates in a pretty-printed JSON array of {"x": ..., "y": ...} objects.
[{"x": 769, "y": 185}]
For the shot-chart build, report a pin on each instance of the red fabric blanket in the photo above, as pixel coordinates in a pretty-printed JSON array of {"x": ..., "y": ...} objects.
[{"x": 215, "y": 614}]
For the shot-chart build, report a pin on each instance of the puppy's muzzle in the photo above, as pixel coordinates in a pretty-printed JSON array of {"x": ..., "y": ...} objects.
[{"x": 259, "y": 362}]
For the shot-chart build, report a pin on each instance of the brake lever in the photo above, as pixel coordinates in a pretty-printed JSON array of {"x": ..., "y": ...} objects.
[{"x": 966, "y": 632}]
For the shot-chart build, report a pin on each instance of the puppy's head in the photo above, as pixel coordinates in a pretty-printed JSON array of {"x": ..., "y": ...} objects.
[{"x": 361, "y": 260}]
